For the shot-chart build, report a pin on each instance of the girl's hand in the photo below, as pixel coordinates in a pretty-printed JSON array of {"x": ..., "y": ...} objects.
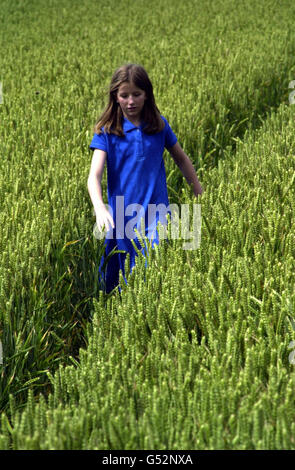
[
  {"x": 186, "y": 167},
  {"x": 104, "y": 220}
]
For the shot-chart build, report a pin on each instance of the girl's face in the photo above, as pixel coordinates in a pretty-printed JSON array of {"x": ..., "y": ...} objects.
[{"x": 131, "y": 100}]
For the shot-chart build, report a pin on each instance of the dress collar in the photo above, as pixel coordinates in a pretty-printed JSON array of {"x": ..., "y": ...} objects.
[{"x": 128, "y": 126}]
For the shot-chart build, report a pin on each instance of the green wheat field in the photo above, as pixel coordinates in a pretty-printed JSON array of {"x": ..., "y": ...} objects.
[{"x": 196, "y": 352}]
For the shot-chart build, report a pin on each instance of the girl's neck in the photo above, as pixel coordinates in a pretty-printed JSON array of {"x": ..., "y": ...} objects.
[{"x": 135, "y": 122}]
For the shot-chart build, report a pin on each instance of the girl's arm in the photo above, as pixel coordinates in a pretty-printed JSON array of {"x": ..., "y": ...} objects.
[
  {"x": 103, "y": 217},
  {"x": 186, "y": 167}
]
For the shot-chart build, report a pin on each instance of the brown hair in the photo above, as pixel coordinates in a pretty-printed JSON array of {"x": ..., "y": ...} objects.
[{"x": 111, "y": 118}]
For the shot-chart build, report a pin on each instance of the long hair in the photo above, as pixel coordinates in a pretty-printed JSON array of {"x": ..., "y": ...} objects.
[{"x": 112, "y": 117}]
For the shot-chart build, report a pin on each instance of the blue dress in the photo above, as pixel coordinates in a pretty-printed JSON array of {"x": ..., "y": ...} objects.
[{"x": 136, "y": 180}]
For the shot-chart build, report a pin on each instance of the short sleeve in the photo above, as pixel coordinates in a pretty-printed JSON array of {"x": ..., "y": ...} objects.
[
  {"x": 170, "y": 137},
  {"x": 99, "y": 141}
]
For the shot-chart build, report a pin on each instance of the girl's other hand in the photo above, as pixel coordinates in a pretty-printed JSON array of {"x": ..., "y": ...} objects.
[{"x": 104, "y": 220}]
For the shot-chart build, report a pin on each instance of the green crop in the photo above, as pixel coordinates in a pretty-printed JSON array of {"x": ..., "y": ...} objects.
[{"x": 195, "y": 351}]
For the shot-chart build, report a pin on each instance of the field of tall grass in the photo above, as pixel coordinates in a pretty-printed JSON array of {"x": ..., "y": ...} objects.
[{"x": 195, "y": 352}]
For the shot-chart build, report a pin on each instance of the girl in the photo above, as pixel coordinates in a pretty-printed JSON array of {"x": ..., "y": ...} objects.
[{"x": 131, "y": 136}]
